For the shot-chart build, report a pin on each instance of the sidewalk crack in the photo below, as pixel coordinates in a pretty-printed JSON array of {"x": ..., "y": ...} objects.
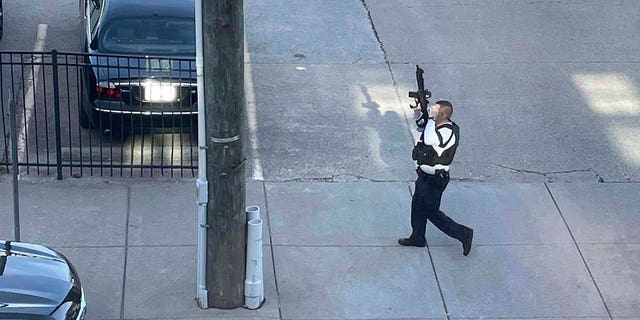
[
  {"x": 584, "y": 261},
  {"x": 589, "y": 170},
  {"x": 126, "y": 252},
  {"x": 433, "y": 267},
  {"x": 435, "y": 275},
  {"x": 375, "y": 31},
  {"x": 335, "y": 178},
  {"x": 547, "y": 174},
  {"x": 273, "y": 256},
  {"x": 393, "y": 77}
]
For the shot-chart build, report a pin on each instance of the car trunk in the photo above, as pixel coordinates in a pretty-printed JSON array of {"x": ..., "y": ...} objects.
[{"x": 153, "y": 84}]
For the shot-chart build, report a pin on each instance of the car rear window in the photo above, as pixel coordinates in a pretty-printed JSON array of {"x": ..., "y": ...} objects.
[{"x": 150, "y": 35}]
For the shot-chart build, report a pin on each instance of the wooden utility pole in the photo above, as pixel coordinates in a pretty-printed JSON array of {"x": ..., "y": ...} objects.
[{"x": 223, "y": 53}]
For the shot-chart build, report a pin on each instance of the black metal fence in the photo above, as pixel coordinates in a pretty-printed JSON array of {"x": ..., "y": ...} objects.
[{"x": 80, "y": 114}]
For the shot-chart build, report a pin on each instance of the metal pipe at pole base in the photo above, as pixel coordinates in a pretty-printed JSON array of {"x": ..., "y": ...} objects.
[
  {"x": 253, "y": 212},
  {"x": 202, "y": 296},
  {"x": 253, "y": 284}
]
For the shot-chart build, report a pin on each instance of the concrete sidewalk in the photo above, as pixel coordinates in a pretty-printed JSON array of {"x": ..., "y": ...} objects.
[{"x": 540, "y": 251}]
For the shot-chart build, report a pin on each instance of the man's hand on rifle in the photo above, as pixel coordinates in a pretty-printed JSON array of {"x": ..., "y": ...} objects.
[
  {"x": 417, "y": 110},
  {"x": 416, "y": 105}
]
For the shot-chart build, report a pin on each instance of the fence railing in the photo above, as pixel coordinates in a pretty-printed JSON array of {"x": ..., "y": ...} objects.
[{"x": 84, "y": 114}]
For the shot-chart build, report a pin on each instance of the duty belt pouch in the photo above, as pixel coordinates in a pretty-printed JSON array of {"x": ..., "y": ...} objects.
[{"x": 419, "y": 153}]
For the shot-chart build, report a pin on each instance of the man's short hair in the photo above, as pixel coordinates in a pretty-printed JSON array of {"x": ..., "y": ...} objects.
[{"x": 446, "y": 106}]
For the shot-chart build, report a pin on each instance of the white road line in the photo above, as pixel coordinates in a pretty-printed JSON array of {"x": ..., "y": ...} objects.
[
  {"x": 30, "y": 85},
  {"x": 252, "y": 118}
]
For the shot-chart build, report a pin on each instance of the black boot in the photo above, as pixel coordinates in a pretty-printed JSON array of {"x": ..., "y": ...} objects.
[
  {"x": 411, "y": 242},
  {"x": 466, "y": 242}
]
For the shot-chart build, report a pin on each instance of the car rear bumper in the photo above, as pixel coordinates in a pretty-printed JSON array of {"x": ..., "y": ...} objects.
[
  {"x": 119, "y": 107},
  {"x": 110, "y": 114}
]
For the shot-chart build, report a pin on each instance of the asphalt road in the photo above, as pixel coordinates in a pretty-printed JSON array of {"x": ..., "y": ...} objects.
[
  {"x": 39, "y": 27},
  {"x": 546, "y": 89},
  {"x": 543, "y": 90}
]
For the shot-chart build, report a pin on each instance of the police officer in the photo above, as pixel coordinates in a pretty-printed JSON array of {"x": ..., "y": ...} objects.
[{"x": 434, "y": 153}]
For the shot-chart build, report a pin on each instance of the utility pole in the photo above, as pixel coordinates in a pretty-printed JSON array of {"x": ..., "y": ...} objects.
[{"x": 222, "y": 49}]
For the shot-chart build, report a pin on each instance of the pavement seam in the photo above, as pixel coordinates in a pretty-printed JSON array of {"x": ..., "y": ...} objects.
[
  {"x": 433, "y": 267},
  {"x": 273, "y": 256},
  {"x": 375, "y": 31},
  {"x": 126, "y": 252},
  {"x": 329, "y": 180},
  {"x": 332, "y": 179},
  {"x": 317, "y": 63},
  {"x": 200, "y": 317},
  {"x": 435, "y": 275},
  {"x": 334, "y": 246},
  {"x": 584, "y": 261},
  {"x": 513, "y": 62},
  {"x": 388, "y": 63},
  {"x": 548, "y": 174},
  {"x": 131, "y": 246},
  {"x": 433, "y": 245},
  {"x": 545, "y": 317},
  {"x": 428, "y": 318}
]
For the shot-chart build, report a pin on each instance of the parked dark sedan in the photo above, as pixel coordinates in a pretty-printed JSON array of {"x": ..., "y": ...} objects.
[
  {"x": 38, "y": 283},
  {"x": 141, "y": 67}
]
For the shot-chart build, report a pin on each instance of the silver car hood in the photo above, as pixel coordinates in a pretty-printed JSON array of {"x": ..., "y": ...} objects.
[{"x": 33, "y": 279}]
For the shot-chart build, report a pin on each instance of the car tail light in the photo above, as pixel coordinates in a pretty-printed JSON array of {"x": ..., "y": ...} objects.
[{"x": 107, "y": 90}]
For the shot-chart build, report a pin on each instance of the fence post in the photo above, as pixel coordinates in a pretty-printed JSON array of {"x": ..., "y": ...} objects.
[
  {"x": 14, "y": 167},
  {"x": 56, "y": 109}
]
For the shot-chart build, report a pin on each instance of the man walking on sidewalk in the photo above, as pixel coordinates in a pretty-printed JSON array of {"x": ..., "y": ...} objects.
[{"x": 434, "y": 153}]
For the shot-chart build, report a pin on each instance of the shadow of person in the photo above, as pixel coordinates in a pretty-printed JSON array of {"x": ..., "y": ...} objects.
[{"x": 389, "y": 140}]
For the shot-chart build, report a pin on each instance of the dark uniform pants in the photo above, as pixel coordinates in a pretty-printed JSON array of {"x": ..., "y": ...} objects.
[{"x": 426, "y": 206}]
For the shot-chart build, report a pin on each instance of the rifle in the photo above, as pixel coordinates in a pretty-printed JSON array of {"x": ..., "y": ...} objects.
[{"x": 421, "y": 97}]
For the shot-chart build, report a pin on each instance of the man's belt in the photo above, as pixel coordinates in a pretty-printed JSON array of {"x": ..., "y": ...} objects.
[
  {"x": 440, "y": 173},
  {"x": 433, "y": 170}
]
